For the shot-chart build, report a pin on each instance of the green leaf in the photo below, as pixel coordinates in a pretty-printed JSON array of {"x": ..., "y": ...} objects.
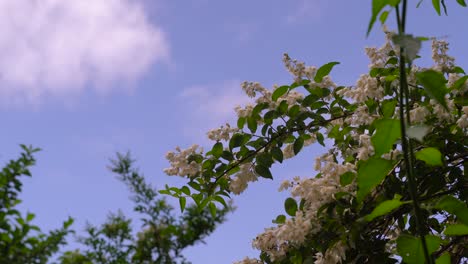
[
  {"x": 241, "y": 122},
  {"x": 377, "y": 6},
  {"x": 444, "y": 259},
  {"x": 383, "y": 17},
  {"x": 436, "y": 5},
  {"x": 418, "y": 132},
  {"x": 182, "y": 203},
  {"x": 30, "y": 217},
  {"x": 212, "y": 207},
  {"x": 434, "y": 84},
  {"x": 387, "y": 132},
  {"x": 324, "y": 71},
  {"x": 277, "y": 154},
  {"x": 431, "y": 156},
  {"x": 252, "y": 124},
  {"x": 220, "y": 200},
  {"x": 410, "y": 44},
  {"x": 347, "y": 178},
  {"x": 280, "y": 91},
  {"x": 217, "y": 150},
  {"x": 456, "y": 230},
  {"x": 384, "y": 208},
  {"x": 280, "y": 219},
  {"x": 185, "y": 190},
  {"x": 388, "y": 108},
  {"x": 290, "y": 206},
  {"x": 454, "y": 206},
  {"x": 263, "y": 171},
  {"x": 298, "y": 144},
  {"x": 411, "y": 250},
  {"x": 236, "y": 141},
  {"x": 370, "y": 173},
  {"x": 461, "y": 2},
  {"x": 459, "y": 83}
]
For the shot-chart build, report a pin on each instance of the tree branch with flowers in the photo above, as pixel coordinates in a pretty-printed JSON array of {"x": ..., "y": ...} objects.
[{"x": 393, "y": 186}]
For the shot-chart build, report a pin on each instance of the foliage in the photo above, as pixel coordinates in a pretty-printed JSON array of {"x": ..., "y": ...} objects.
[
  {"x": 21, "y": 241},
  {"x": 162, "y": 236},
  {"x": 393, "y": 185}
]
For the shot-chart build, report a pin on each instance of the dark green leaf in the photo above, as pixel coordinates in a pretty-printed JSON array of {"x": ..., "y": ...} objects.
[
  {"x": 277, "y": 154},
  {"x": 241, "y": 122},
  {"x": 280, "y": 219},
  {"x": 410, "y": 247},
  {"x": 182, "y": 202},
  {"x": 370, "y": 173},
  {"x": 459, "y": 83},
  {"x": 30, "y": 217},
  {"x": 387, "y": 132},
  {"x": 434, "y": 84},
  {"x": 347, "y": 178},
  {"x": 298, "y": 144},
  {"x": 280, "y": 91},
  {"x": 388, "y": 108},
  {"x": 444, "y": 259},
  {"x": 324, "y": 71},
  {"x": 461, "y": 2},
  {"x": 384, "y": 208},
  {"x": 263, "y": 171},
  {"x": 456, "y": 230},
  {"x": 236, "y": 141},
  {"x": 431, "y": 156},
  {"x": 217, "y": 150},
  {"x": 377, "y": 6},
  {"x": 454, "y": 206},
  {"x": 436, "y": 5},
  {"x": 290, "y": 206},
  {"x": 220, "y": 200},
  {"x": 252, "y": 124},
  {"x": 383, "y": 17},
  {"x": 185, "y": 190},
  {"x": 212, "y": 207}
]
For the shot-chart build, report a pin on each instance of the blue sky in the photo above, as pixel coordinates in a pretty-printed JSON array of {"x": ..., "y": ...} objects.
[{"x": 84, "y": 79}]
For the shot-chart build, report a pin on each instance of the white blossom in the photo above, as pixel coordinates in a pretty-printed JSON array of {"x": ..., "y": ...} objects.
[
  {"x": 419, "y": 113},
  {"x": 251, "y": 88},
  {"x": 242, "y": 178},
  {"x": 248, "y": 260},
  {"x": 180, "y": 164},
  {"x": 443, "y": 62},
  {"x": 222, "y": 133}
]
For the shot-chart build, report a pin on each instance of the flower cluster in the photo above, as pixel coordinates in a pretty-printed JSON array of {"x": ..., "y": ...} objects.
[
  {"x": 240, "y": 182},
  {"x": 183, "y": 163},
  {"x": 222, "y": 133},
  {"x": 443, "y": 62}
]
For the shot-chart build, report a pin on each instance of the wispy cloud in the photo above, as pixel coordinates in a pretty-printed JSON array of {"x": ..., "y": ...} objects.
[
  {"x": 211, "y": 105},
  {"x": 305, "y": 10},
  {"x": 56, "y": 48}
]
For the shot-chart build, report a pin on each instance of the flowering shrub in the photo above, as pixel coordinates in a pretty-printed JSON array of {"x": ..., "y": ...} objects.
[{"x": 393, "y": 184}]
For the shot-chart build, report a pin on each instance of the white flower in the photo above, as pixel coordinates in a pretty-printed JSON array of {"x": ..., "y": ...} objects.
[
  {"x": 443, "y": 62},
  {"x": 221, "y": 133},
  {"x": 418, "y": 114},
  {"x": 248, "y": 260},
  {"x": 242, "y": 178},
  {"x": 180, "y": 164},
  {"x": 244, "y": 112},
  {"x": 251, "y": 88},
  {"x": 462, "y": 122}
]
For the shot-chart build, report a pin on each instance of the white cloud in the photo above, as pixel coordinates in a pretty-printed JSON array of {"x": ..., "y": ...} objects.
[
  {"x": 305, "y": 10},
  {"x": 57, "y": 47},
  {"x": 211, "y": 106}
]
